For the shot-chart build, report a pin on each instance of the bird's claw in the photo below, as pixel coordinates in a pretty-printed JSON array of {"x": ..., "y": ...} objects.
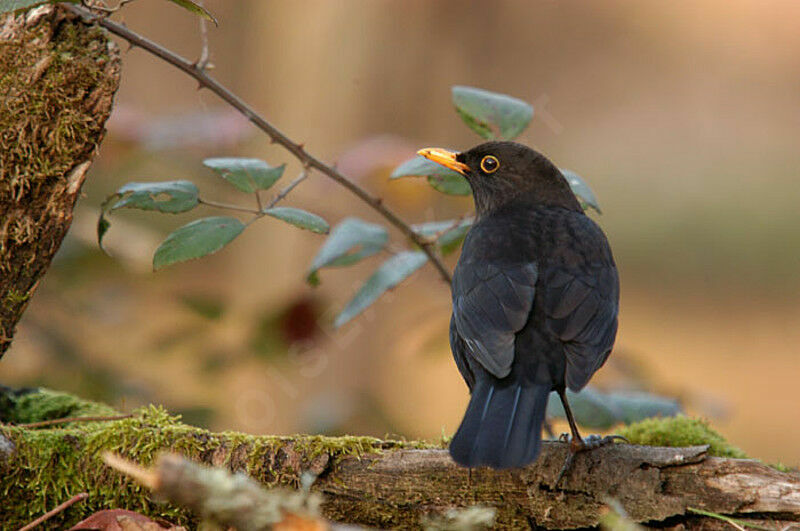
[{"x": 590, "y": 442}]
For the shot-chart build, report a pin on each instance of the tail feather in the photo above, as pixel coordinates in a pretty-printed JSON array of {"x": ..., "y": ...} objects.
[{"x": 502, "y": 427}]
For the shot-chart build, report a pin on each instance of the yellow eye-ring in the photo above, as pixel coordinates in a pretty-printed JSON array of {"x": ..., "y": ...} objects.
[{"x": 489, "y": 164}]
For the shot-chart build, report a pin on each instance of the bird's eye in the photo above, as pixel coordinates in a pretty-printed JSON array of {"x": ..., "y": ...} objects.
[{"x": 489, "y": 164}]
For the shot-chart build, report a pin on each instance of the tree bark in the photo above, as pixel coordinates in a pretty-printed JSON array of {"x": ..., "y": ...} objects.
[
  {"x": 654, "y": 485},
  {"x": 58, "y": 77}
]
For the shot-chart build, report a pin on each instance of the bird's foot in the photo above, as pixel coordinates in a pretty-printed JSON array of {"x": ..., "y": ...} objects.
[{"x": 590, "y": 442}]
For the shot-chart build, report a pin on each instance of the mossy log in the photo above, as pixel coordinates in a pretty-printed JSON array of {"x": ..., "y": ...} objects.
[
  {"x": 58, "y": 77},
  {"x": 367, "y": 481}
]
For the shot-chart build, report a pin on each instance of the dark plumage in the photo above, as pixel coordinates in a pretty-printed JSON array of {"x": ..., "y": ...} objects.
[{"x": 535, "y": 300}]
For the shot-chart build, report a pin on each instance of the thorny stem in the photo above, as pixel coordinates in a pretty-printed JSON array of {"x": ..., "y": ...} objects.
[
  {"x": 296, "y": 149},
  {"x": 261, "y": 211}
]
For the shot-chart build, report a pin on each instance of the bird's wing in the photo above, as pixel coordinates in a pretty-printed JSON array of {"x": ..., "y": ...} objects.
[
  {"x": 581, "y": 306},
  {"x": 460, "y": 354},
  {"x": 491, "y": 303}
]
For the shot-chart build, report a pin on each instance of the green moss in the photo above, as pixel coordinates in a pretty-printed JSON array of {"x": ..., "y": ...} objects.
[
  {"x": 52, "y": 464},
  {"x": 680, "y": 431},
  {"x": 48, "y": 121},
  {"x": 44, "y": 404},
  {"x": 780, "y": 467},
  {"x": 14, "y": 297}
]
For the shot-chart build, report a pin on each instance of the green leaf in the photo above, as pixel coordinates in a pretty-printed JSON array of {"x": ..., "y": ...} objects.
[
  {"x": 388, "y": 275},
  {"x": 491, "y": 115},
  {"x": 440, "y": 178},
  {"x": 422, "y": 167},
  {"x": 581, "y": 190},
  {"x": 350, "y": 241},
  {"x": 199, "y": 238},
  {"x": 452, "y": 185},
  {"x": 7, "y": 6},
  {"x": 598, "y": 410},
  {"x": 300, "y": 218},
  {"x": 451, "y": 233},
  {"x": 196, "y": 8},
  {"x": 169, "y": 196},
  {"x": 248, "y": 175}
]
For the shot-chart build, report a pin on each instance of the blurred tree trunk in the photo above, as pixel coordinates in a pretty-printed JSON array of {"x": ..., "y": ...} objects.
[{"x": 58, "y": 77}]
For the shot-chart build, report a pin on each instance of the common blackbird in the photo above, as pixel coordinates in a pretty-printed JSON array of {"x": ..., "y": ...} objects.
[{"x": 535, "y": 300}]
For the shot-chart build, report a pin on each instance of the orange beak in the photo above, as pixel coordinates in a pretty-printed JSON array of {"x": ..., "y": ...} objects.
[{"x": 444, "y": 157}]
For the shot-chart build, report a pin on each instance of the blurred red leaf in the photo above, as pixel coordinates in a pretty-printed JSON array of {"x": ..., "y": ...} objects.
[{"x": 122, "y": 520}]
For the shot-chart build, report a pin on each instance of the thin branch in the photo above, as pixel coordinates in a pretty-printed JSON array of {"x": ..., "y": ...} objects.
[
  {"x": 435, "y": 237},
  {"x": 283, "y": 193},
  {"x": 65, "y": 420},
  {"x": 227, "y": 206},
  {"x": 296, "y": 149},
  {"x": 49, "y": 514}
]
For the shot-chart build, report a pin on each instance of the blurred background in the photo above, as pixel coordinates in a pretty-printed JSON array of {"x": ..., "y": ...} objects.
[{"x": 683, "y": 117}]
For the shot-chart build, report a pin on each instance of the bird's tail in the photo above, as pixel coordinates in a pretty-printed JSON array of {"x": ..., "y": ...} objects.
[{"x": 502, "y": 427}]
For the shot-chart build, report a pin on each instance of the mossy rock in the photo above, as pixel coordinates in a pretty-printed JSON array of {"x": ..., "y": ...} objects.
[{"x": 680, "y": 431}]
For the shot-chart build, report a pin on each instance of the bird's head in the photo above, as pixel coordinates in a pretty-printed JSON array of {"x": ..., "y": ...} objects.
[{"x": 499, "y": 172}]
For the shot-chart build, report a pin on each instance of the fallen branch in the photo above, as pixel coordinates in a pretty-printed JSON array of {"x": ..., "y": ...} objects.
[
  {"x": 387, "y": 484},
  {"x": 651, "y": 484}
]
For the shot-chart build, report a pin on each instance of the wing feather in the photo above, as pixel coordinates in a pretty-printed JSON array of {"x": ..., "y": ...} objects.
[
  {"x": 581, "y": 306},
  {"x": 491, "y": 303}
]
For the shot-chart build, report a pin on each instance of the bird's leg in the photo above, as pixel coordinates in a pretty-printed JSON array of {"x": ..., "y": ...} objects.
[{"x": 576, "y": 442}]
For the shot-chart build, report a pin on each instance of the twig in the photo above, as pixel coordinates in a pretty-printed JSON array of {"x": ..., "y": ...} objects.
[
  {"x": 202, "y": 62},
  {"x": 227, "y": 499},
  {"x": 738, "y": 524},
  {"x": 65, "y": 420},
  {"x": 49, "y": 514},
  {"x": 104, "y": 9},
  {"x": 453, "y": 226},
  {"x": 283, "y": 193},
  {"x": 145, "y": 476},
  {"x": 296, "y": 149},
  {"x": 227, "y": 206}
]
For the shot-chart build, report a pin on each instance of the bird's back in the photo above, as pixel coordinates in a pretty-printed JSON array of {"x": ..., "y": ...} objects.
[{"x": 577, "y": 284}]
